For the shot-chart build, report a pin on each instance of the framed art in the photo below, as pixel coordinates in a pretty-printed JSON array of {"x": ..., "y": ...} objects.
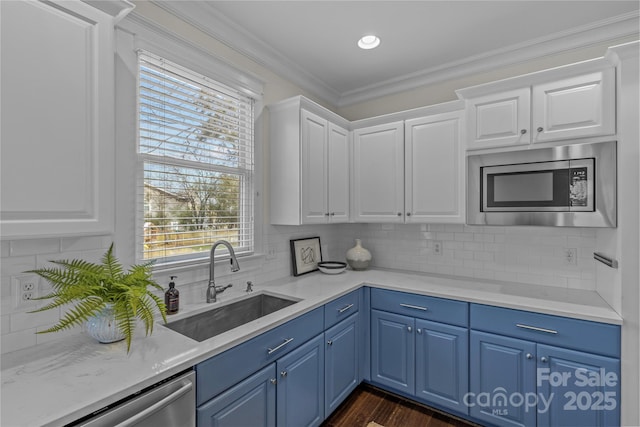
[{"x": 305, "y": 255}]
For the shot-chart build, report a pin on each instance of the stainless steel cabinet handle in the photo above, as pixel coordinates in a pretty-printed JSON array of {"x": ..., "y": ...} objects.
[
  {"x": 544, "y": 359},
  {"x": 419, "y": 330},
  {"x": 286, "y": 341},
  {"x": 157, "y": 406},
  {"x": 415, "y": 307},
  {"x": 535, "y": 328},
  {"x": 399, "y": 213},
  {"x": 529, "y": 356},
  {"x": 333, "y": 213},
  {"x": 409, "y": 328},
  {"x": 273, "y": 381},
  {"x": 329, "y": 342},
  {"x": 345, "y": 308},
  {"x": 408, "y": 213},
  {"x": 540, "y": 129},
  {"x": 326, "y": 214},
  {"x": 283, "y": 373},
  {"x": 523, "y": 131}
]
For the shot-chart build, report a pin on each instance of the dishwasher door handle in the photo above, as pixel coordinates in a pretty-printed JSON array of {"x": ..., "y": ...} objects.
[{"x": 157, "y": 406}]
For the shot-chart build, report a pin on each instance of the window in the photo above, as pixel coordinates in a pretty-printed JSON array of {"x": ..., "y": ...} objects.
[{"x": 195, "y": 145}]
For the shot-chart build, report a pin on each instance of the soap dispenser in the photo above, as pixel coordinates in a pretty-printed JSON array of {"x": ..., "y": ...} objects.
[{"x": 172, "y": 297}]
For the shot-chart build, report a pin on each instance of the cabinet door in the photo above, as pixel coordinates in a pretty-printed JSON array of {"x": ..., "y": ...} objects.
[
  {"x": 313, "y": 169},
  {"x": 338, "y": 174},
  {"x": 502, "y": 372},
  {"x": 575, "y": 107},
  {"x": 577, "y": 388},
  {"x": 393, "y": 351},
  {"x": 378, "y": 167},
  {"x": 341, "y": 361},
  {"x": 250, "y": 403},
  {"x": 498, "y": 120},
  {"x": 434, "y": 169},
  {"x": 57, "y": 119},
  {"x": 442, "y": 370},
  {"x": 300, "y": 393}
]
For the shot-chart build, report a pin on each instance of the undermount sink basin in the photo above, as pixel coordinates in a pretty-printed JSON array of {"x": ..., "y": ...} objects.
[{"x": 213, "y": 322}]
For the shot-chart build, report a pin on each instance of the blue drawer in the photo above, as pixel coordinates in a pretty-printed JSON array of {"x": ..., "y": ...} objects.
[
  {"x": 341, "y": 308},
  {"x": 421, "y": 306},
  {"x": 584, "y": 335},
  {"x": 226, "y": 369}
]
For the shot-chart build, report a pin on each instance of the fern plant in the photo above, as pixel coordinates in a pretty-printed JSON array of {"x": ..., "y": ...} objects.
[{"x": 92, "y": 287}]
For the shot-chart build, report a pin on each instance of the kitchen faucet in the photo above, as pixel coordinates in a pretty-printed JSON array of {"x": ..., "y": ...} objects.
[{"x": 212, "y": 289}]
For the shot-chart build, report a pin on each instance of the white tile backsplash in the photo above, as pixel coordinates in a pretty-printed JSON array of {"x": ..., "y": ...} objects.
[{"x": 532, "y": 255}]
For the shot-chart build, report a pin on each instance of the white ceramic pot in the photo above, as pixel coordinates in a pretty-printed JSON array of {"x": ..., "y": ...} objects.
[
  {"x": 358, "y": 257},
  {"x": 103, "y": 326}
]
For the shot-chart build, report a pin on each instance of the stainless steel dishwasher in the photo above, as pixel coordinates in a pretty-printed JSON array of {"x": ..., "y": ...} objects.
[{"x": 170, "y": 403}]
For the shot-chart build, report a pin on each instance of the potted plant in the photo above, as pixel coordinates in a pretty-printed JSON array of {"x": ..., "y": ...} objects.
[{"x": 104, "y": 296}]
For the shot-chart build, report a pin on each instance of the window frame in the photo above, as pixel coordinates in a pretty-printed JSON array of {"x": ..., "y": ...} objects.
[{"x": 246, "y": 173}]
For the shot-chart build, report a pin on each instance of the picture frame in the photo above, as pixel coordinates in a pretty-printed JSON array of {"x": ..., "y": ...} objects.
[{"x": 305, "y": 255}]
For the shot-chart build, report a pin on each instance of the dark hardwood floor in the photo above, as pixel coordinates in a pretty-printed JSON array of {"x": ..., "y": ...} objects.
[{"x": 368, "y": 404}]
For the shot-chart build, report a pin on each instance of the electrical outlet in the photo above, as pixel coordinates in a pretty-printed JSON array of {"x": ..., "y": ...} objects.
[
  {"x": 25, "y": 289},
  {"x": 437, "y": 247},
  {"x": 271, "y": 253},
  {"x": 571, "y": 256}
]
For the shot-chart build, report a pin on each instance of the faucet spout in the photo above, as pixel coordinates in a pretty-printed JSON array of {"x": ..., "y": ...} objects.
[{"x": 212, "y": 289}]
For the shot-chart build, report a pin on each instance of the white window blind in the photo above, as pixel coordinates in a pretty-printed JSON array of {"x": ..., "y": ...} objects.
[{"x": 195, "y": 148}]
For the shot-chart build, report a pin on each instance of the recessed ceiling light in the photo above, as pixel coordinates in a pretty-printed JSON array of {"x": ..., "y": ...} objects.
[{"x": 368, "y": 42}]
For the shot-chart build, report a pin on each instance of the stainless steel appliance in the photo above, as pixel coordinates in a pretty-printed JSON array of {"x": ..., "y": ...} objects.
[
  {"x": 569, "y": 186},
  {"x": 169, "y": 403}
]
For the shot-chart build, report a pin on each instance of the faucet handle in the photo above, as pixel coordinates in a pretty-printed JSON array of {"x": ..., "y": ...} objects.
[{"x": 249, "y": 287}]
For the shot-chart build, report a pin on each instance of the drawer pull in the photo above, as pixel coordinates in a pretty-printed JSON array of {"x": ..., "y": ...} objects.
[
  {"x": 415, "y": 307},
  {"x": 343, "y": 309},
  {"x": 535, "y": 328},
  {"x": 286, "y": 341}
]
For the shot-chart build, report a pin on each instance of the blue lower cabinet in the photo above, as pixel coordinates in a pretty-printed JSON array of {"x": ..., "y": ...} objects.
[
  {"x": 516, "y": 382},
  {"x": 393, "y": 351},
  {"x": 577, "y": 389},
  {"x": 502, "y": 376},
  {"x": 341, "y": 362},
  {"x": 300, "y": 391},
  {"x": 249, "y": 403},
  {"x": 442, "y": 371}
]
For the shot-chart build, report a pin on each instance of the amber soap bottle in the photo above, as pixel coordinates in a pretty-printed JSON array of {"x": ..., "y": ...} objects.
[{"x": 172, "y": 297}]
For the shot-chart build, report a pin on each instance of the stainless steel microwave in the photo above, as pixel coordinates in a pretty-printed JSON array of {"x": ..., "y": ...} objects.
[{"x": 567, "y": 186}]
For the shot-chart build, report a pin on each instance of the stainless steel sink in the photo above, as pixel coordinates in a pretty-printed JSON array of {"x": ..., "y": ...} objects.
[{"x": 213, "y": 322}]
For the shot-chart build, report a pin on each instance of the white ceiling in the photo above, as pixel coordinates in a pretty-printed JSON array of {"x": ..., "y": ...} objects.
[{"x": 313, "y": 43}]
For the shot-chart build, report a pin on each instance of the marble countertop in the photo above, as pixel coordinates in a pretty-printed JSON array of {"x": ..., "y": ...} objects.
[{"x": 56, "y": 383}]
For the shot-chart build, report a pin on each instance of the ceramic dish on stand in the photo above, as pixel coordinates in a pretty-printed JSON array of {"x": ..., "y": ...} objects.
[{"x": 332, "y": 267}]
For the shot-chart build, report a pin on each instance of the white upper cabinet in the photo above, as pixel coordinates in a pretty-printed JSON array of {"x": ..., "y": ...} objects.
[
  {"x": 434, "y": 169},
  {"x": 57, "y": 167},
  {"x": 378, "y": 173},
  {"x": 553, "y": 105},
  {"x": 500, "y": 119},
  {"x": 309, "y": 164},
  {"x": 575, "y": 107},
  {"x": 339, "y": 167}
]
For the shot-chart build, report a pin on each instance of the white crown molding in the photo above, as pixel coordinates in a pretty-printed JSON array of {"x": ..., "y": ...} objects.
[
  {"x": 213, "y": 23},
  {"x": 218, "y": 26},
  {"x": 161, "y": 41},
  {"x": 579, "y": 37}
]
